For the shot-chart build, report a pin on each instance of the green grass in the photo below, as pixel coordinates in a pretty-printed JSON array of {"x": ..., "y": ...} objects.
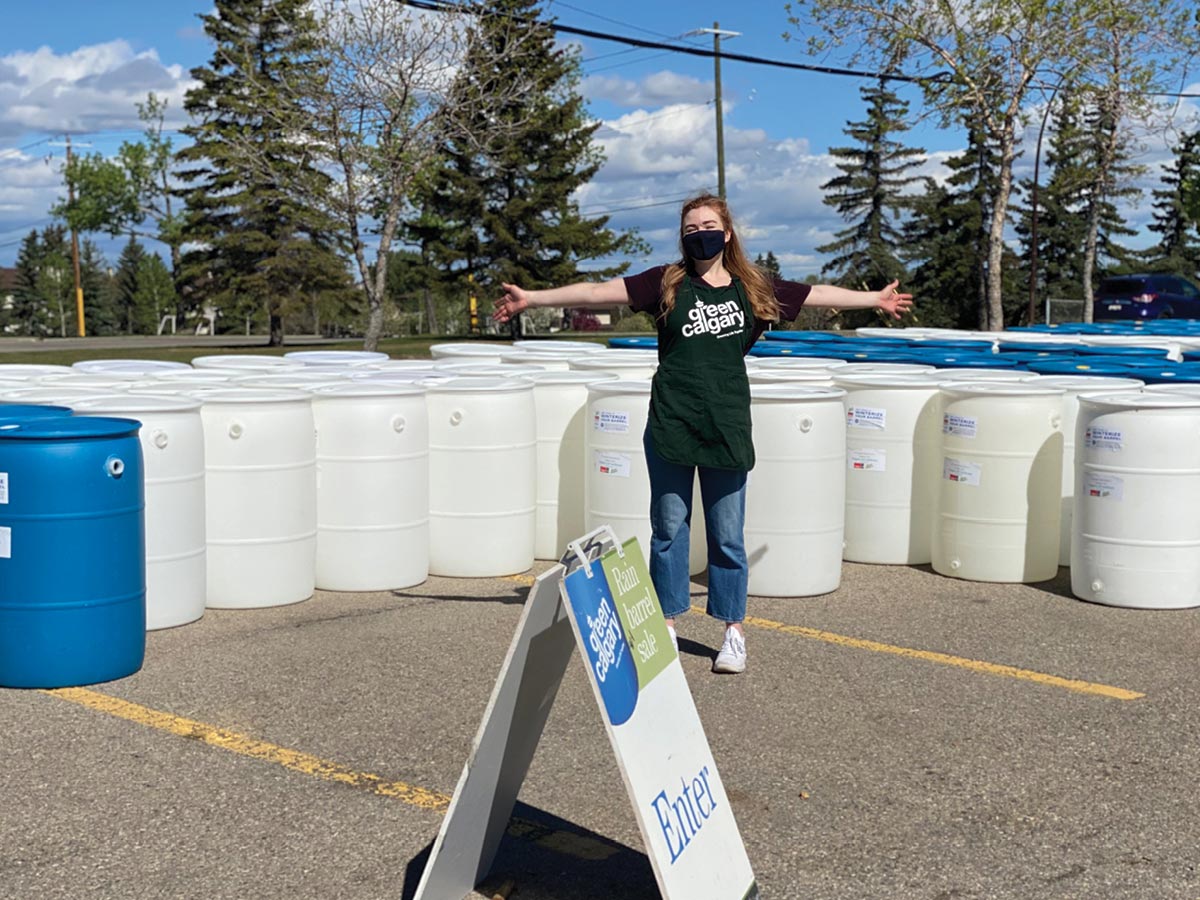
[{"x": 397, "y": 348}]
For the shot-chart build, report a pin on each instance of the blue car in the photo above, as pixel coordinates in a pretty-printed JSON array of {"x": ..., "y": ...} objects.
[{"x": 1145, "y": 297}]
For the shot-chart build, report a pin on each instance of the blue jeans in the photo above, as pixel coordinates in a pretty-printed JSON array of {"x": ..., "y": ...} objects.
[{"x": 723, "y": 496}]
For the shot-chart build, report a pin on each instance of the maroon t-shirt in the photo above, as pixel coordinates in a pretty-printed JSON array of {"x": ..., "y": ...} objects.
[{"x": 645, "y": 295}]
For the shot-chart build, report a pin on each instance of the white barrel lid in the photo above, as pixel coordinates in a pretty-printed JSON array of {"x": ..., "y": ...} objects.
[
  {"x": 1173, "y": 387},
  {"x": 26, "y": 371},
  {"x": 777, "y": 376},
  {"x": 985, "y": 374},
  {"x": 334, "y": 357},
  {"x": 875, "y": 332},
  {"x": 47, "y": 394},
  {"x": 502, "y": 370},
  {"x": 176, "y": 388},
  {"x": 604, "y": 361},
  {"x": 930, "y": 381},
  {"x": 795, "y": 392},
  {"x": 571, "y": 376},
  {"x": 1074, "y": 384},
  {"x": 474, "y": 384},
  {"x": 619, "y": 386},
  {"x": 245, "y": 361},
  {"x": 794, "y": 362},
  {"x": 1141, "y": 400},
  {"x": 86, "y": 378},
  {"x": 400, "y": 376},
  {"x": 298, "y": 378},
  {"x": 1154, "y": 341},
  {"x": 521, "y": 357},
  {"x": 136, "y": 403},
  {"x": 395, "y": 365},
  {"x": 251, "y": 395},
  {"x": 208, "y": 376},
  {"x": 552, "y": 345},
  {"x": 464, "y": 349},
  {"x": 884, "y": 368},
  {"x": 999, "y": 389},
  {"x": 368, "y": 389},
  {"x": 1038, "y": 337},
  {"x": 132, "y": 366}
]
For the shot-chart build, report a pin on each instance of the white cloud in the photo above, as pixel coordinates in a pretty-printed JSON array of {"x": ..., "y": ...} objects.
[
  {"x": 94, "y": 88},
  {"x": 659, "y": 89}
]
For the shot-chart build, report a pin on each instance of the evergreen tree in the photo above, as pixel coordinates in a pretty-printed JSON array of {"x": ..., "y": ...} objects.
[
  {"x": 769, "y": 264},
  {"x": 868, "y": 194},
  {"x": 260, "y": 240},
  {"x": 1178, "y": 250},
  {"x": 129, "y": 269},
  {"x": 30, "y": 315},
  {"x": 100, "y": 312},
  {"x": 507, "y": 213},
  {"x": 946, "y": 243}
]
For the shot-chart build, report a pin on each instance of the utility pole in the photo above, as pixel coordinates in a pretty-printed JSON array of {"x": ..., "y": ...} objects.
[
  {"x": 82, "y": 331},
  {"x": 717, "y": 34}
]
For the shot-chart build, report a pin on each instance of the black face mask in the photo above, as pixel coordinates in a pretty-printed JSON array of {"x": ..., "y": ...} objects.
[{"x": 705, "y": 244}]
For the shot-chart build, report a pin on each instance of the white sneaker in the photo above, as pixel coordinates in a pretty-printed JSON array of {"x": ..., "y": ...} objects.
[{"x": 732, "y": 658}]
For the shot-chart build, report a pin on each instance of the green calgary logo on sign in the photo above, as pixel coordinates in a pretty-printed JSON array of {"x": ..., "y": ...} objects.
[{"x": 637, "y": 605}]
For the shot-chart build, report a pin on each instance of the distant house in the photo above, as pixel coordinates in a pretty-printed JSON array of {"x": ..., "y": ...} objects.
[{"x": 8, "y": 284}]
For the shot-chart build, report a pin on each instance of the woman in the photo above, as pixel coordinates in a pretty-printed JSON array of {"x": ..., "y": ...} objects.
[{"x": 710, "y": 308}]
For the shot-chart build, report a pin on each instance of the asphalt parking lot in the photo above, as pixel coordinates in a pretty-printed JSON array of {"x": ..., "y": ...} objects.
[{"x": 906, "y": 736}]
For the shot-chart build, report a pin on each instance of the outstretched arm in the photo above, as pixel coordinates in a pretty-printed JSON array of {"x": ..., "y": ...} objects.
[
  {"x": 582, "y": 293},
  {"x": 889, "y": 299}
]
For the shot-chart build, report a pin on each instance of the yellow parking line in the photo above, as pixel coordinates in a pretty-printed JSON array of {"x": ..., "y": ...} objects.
[
  {"x": 975, "y": 665},
  {"x": 566, "y": 842}
]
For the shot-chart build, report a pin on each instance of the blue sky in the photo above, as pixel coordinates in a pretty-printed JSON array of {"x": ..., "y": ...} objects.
[{"x": 79, "y": 66}]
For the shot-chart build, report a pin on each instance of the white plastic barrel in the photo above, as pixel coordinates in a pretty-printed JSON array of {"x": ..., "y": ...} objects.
[
  {"x": 403, "y": 376},
  {"x": 1136, "y": 535},
  {"x": 98, "y": 379},
  {"x": 1073, "y": 386},
  {"x": 560, "y": 403},
  {"x": 482, "y": 476},
  {"x": 199, "y": 376},
  {"x": 487, "y": 370},
  {"x": 552, "y": 362},
  {"x": 557, "y": 346},
  {"x": 992, "y": 375},
  {"x": 261, "y": 496},
  {"x": 795, "y": 499},
  {"x": 475, "y": 352},
  {"x": 172, "y": 437},
  {"x": 813, "y": 377},
  {"x": 128, "y": 366},
  {"x": 893, "y": 463},
  {"x": 998, "y": 500},
  {"x": 246, "y": 362},
  {"x": 335, "y": 357},
  {"x": 767, "y": 363},
  {"x": 631, "y": 365},
  {"x": 302, "y": 379},
  {"x": 372, "y": 486},
  {"x": 884, "y": 368},
  {"x": 48, "y": 393},
  {"x": 617, "y": 485},
  {"x": 27, "y": 372}
]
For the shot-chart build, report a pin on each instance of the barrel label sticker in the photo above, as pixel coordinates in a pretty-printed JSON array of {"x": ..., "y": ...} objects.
[
  {"x": 3, "y": 487},
  {"x": 959, "y": 426},
  {"x": 1103, "y": 487},
  {"x": 867, "y": 460},
  {"x": 5, "y": 543},
  {"x": 866, "y": 417},
  {"x": 961, "y": 472},
  {"x": 608, "y": 420},
  {"x": 1097, "y": 438},
  {"x": 612, "y": 464}
]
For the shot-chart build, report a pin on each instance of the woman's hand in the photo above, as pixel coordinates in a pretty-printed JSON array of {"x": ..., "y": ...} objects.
[
  {"x": 891, "y": 301},
  {"x": 514, "y": 301}
]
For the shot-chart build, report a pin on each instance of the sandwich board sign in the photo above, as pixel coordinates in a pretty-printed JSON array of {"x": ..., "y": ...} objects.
[{"x": 600, "y": 599}]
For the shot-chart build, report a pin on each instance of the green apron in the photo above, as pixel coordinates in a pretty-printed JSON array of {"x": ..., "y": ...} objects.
[{"x": 700, "y": 398}]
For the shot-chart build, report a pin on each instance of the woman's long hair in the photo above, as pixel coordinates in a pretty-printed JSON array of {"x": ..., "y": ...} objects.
[{"x": 755, "y": 281}]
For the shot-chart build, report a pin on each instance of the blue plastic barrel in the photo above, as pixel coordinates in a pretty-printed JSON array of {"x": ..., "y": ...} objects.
[
  {"x": 1042, "y": 348},
  {"x": 633, "y": 343},
  {"x": 777, "y": 334},
  {"x": 72, "y": 551},
  {"x": 1181, "y": 372},
  {"x": 12, "y": 411},
  {"x": 1110, "y": 350},
  {"x": 967, "y": 361},
  {"x": 1081, "y": 365}
]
